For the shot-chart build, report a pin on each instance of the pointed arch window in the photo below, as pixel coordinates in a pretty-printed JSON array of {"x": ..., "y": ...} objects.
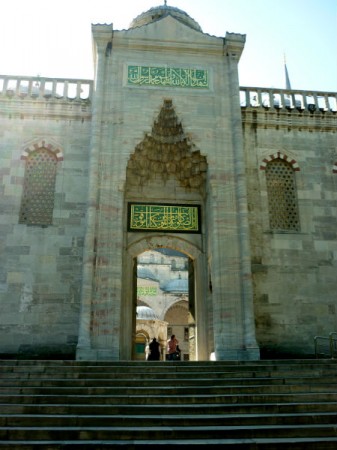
[
  {"x": 282, "y": 196},
  {"x": 37, "y": 202}
]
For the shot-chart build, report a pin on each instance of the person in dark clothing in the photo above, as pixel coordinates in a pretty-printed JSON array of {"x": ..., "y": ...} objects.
[{"x": 154, "y": 348}]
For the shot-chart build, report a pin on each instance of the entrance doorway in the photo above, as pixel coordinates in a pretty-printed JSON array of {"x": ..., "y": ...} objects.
[
  {"x": 164, "y": 300},
  {"x": 200, "y": 314}
]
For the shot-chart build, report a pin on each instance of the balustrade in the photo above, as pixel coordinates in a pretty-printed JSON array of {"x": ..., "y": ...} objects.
[
  {"x": 39, "y": 87},
  {"x": 252, "y": 97}
]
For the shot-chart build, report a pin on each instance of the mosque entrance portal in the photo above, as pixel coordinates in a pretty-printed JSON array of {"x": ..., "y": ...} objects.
[{"x": 164, "y": 205}]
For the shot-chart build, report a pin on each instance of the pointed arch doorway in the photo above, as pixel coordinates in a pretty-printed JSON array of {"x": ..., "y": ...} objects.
[
  {"x": 198, "y": 310},
  {"x": 165, "y": 304}
]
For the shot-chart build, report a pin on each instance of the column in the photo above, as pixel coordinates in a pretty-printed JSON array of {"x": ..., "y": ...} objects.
[{"x": 84, "y": 350}]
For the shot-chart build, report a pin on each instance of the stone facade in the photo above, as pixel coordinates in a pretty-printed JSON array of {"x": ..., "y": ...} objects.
[
  {"x": 166, "y": 122},
  {"x": 41, "y": 266},
  {"x": 294, "y": 272}
]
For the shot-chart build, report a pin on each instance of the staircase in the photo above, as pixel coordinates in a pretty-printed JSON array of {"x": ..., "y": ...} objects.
[{"x": 132, "y": 404}]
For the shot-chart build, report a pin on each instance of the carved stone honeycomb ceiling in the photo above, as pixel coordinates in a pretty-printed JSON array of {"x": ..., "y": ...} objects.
[{"x": 167, "y": 153}]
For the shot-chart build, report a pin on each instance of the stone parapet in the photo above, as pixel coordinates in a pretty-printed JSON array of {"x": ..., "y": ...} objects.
[
  {"x": 284, "y": 99},
  {"x": 288, "y": 109},
  {"x": 61, "y": 89}
]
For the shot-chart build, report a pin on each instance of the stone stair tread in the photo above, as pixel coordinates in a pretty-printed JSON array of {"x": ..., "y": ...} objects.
[
  {"x": 177, "y": 442},
  {"x": 187, "y": 432},
  {"x": 173, "y": 365},
  {"x": 44, "y": 420},
  {"x": 172, "y": 432},
  {"x": 219, "y": 376},
  {"x": 171, "y": 396},
  {"x": 165, "y": 369},
  {"x": 166, "y": 390},
  {"x": 175, "y": 427},
  {"x": 182, "y": 442},
  {"x": 169, "y": 416},
  {"x": 313, "y": 407},
  {"x": 89, "y": 380}
]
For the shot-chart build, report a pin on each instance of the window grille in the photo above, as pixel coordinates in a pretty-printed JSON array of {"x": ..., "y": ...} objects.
[
  {"x": 282, "y": 196},
  {"x": 39, "y": 188}
]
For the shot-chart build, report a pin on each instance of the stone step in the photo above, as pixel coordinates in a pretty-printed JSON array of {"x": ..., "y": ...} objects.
[
  {"x": 168, "y": 398},
  {"x": 169, "y": 368},
  {"x": 319, "y": 443},
  {"x": 172, "y": 432},
  {"x": 173, "y": 368},
  {"x": 184, "y": 409},
  {"x": 170, "y": 365},
  {"x": 164, "y": 420},
  {"x": 171, "y": 377},
  {"x": 35, "y": 381},
  {"x": 191, "y": 364},
  {"x": 156, "y": 390}
]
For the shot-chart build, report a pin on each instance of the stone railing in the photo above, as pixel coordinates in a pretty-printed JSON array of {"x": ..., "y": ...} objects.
[
  {"x": 39, "y": 87},
  {"x": 81, "y": 90},
  {"x": 255, "y": 97}
]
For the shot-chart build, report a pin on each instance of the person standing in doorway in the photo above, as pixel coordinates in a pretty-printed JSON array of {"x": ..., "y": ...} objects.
[
  {"x": 154, "y": 354},
  {"x": 172, "y": 347}
]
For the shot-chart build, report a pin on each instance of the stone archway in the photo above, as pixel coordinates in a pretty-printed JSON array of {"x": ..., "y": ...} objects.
[
  {"x": 202, "y": 318},
  {"x": 182, "y": 326}
]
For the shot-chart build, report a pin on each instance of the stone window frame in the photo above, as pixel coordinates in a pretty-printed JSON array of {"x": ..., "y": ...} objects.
[
  {"x": 334, "y": 168},
  {"x": 56, "y": 151},
  {"x": 295, "y": 167}
]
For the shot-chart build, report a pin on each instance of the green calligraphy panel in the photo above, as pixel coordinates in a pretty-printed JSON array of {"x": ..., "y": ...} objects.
[
  {"x": 147, "y": 290},
  {"x": 168, "y": 77},
  {"x": 155, "y": 217}
]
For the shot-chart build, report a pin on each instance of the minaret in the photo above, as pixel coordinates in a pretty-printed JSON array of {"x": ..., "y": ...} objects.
[{"x": 288, "y": 86}]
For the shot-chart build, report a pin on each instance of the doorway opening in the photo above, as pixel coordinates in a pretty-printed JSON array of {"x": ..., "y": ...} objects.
[{"x": 164, "y": 302}]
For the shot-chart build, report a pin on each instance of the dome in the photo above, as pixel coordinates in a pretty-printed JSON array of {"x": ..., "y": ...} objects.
[
  {"x": 146, "y": 313},
  {"x": 146, "y": 274},
  {"x": 158, "y": 12},
  {"x": 178, "y": 286}
]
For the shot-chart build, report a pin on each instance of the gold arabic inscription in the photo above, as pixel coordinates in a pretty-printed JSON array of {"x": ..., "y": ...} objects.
[
  {"x": 168, "y": 76},
  {"x": 177, "y": 218}
]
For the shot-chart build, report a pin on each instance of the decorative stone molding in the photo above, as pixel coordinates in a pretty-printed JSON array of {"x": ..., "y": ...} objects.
[
  {"x": 279, "y": 155},
  {"x": 163, "y": 241},
  {"x": 42, "y": 143}
]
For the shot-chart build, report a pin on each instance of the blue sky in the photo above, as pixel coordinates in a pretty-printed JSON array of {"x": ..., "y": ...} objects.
[{"x": 53, "y": 39}]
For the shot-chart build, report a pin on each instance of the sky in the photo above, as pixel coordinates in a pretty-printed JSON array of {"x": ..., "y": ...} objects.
[{"x": 53, "y": 39}]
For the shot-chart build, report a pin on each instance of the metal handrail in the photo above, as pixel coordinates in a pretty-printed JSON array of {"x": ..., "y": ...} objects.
[
  {"x": 333, "y": 344},
  {"x": 330, "y": 346}
]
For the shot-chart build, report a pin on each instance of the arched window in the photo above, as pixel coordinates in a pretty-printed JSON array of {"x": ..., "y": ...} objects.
[
  {"x": 282, "y": 196},
  {"x": 39, "y": 188}
]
